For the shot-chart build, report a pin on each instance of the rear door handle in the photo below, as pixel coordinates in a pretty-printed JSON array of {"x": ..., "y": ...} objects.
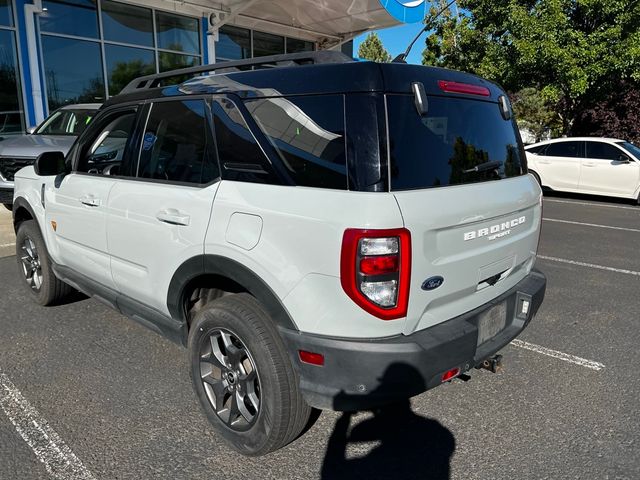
[
  {"x": 90, "y": 201},
  {"x": 173, "y": 217},
  {"x": 588, "y": 164}
]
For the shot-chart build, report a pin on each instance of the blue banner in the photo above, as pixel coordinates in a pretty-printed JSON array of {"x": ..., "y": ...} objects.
[{"x": 407, "y": 11}]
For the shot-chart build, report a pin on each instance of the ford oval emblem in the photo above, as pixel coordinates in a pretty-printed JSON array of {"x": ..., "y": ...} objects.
[{"x": 432, "y": 283}]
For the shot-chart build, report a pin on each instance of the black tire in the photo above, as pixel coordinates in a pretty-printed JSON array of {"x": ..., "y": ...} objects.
[
  {"x": 282, "y": 414},
  {"x": 34, "y": 265},
  {"x": 8, "y": 206}
]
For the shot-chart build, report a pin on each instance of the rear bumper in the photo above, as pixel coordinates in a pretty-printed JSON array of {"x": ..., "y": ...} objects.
[{"x": 365, "y": 373}]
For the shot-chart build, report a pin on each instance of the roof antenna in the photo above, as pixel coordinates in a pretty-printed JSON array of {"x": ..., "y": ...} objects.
[{"x": 428, "y": 23}]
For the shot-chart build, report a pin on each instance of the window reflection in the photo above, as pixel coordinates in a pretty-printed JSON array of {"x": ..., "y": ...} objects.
[
  {"x": 6, "y": 13},
  {"x": 267, "y": 44},
  {"x": 10, "y": 104},
  {"x": 70, "y": 17},
  {"x": 73, "y": 71},
  {"x": 127, "y": 24},
  {"x": 308, "y": 133},
  {"x": 296, "y": 46},
  {"x": 178, "y": 33},
  {"x": 126, "y": 63},
  {"x": 234, "y": 43}
]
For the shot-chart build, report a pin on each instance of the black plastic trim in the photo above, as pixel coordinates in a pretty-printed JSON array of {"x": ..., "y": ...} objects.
[
  {"x": 365, "y": 373},
  {"x": 225, "y": 267},
  {"x": 6, "y": 195},
  {"x": 21, "y": 202},
  {"x": 170, "y": 328}
]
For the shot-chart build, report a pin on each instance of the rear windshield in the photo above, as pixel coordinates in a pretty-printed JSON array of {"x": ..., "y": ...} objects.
[{"x": 450, "y": 144}]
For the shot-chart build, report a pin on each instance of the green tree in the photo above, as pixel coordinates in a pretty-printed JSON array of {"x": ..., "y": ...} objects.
[
  {"x": 533, "y": 111},
  {"x": 572, "y": 51},
  {"x": 372, "y": 49}
]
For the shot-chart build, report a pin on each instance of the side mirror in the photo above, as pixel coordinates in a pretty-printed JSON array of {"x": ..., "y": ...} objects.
[
  {"x": 30, "y": 130},
  {"x": 49, "y": 163},
  {"x": 624, "y": 159}
]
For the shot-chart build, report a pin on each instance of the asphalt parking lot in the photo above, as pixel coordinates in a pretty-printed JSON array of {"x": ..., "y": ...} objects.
[{"x": 87, "y": 393}]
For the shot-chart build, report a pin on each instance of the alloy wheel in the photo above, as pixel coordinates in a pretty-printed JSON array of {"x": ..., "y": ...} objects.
[
  {"x": 31, "y": 266},
  {"x": 230, "y": 379}
]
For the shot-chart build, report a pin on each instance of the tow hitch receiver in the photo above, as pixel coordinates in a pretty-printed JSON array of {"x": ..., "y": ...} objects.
[{"x": 493, "y": 364}]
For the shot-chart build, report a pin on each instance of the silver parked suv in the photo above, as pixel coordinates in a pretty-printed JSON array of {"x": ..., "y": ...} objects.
[
  {"x": 57, "y": 132},
  {"x": 319, "y": 232}
]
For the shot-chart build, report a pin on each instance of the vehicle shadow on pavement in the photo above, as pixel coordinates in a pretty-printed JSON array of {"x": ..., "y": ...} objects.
[{"x": 409, "y": 446}]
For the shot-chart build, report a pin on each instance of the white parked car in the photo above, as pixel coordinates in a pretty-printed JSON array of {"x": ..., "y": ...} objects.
[{"x": 597, "y": 166}]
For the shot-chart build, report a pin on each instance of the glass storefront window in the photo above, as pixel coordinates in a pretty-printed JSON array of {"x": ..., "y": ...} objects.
[
  {"x": 6, "y": 13},
  {"x": 126, "y": 63},
  {"x": 267, "y": 44},
  {"x": 71, "y": 17},
  {"x": 73, "y": 71},
  {"x": 234, "y": 43},
  {"x": 173, "y": 61},
  {"x": 178, "y": 33},
  {"x": 10, "y": 101},
  {"x": 295, "y": 45},
  {"x": 127, "y": 24}
]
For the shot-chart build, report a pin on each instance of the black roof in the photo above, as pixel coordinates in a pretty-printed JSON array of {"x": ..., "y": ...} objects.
[{"x": 309, "y": 73}]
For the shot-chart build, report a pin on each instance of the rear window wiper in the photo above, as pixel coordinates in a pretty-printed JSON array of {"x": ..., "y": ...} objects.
[{"x": 483, "y": 167}]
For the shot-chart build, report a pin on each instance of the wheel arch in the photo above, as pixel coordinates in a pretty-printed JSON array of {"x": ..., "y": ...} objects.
[
  {"x": 22, "y": 212},
  {"x": 207, "y": 269}
]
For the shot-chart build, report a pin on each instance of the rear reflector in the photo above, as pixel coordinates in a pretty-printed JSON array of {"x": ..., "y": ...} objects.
[
  {"x": 448, "y": 375},
  {"x": 456, "y": 87},
  {"x": 311, "y": 357}
]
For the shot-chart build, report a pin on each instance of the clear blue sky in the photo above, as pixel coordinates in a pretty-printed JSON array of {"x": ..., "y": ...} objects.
[{"x": 396, "y": 40}]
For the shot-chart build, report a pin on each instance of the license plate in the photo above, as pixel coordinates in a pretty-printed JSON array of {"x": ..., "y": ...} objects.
[{"x": 492, "y": 322}]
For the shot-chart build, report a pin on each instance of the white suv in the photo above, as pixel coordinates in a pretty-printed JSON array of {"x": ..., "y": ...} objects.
[{"x": 321, "y": 233}]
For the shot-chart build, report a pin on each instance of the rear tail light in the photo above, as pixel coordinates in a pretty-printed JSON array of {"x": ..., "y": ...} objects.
[
  {"x": 375, "y": 270},
  {"x": 457, "y": 87}
]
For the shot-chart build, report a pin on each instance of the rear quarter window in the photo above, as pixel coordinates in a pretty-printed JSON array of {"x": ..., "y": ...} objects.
[
  {"x": 308, "y": 134},
  {"x": 445, "y": 146}
]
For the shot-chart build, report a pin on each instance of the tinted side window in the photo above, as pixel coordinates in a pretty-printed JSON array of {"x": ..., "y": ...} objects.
[
  {"x": 565, "y": 149},
  {"x": 539, "y": 150},
  {"x": 602, "y": 151},
  {"x": 309, "y": 135},
  {"x": 175, "y": 144},
  {"x": 241, "y": 158},
  {"x": 107, "y": 150}
]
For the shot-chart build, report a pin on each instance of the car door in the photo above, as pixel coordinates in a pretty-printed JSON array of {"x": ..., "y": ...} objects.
[
  {"x": 559, "y": 165},
  {"x": 159, "y": 212},
  {"x": 608, "y": 170},
  {"x": 76, "y": 206}
]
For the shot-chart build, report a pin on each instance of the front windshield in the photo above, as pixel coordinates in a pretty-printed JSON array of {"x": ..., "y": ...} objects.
[
  {"x": 631, "y": 148},
  {"x": 66, "y": 122}
]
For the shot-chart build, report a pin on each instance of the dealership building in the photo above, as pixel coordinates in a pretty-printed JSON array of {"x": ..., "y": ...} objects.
[{"x": 58, "y": 52}]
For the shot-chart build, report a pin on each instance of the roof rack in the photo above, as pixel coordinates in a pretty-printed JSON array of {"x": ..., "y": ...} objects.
[{"x": 272, "y": 61}]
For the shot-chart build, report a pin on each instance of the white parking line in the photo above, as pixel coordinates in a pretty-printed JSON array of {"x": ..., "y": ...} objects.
[
  {"x": 590, "y": 265},
  {"x": 61, "y": 463},
  {"x": 583, "y": 362},
  {"x": 592, "y": 204},
  {"x": 8, "y": 245},
  {"x": 626, "y": 229}
]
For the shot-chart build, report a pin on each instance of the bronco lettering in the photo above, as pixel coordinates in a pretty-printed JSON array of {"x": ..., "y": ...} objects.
[{"x": 498, "y": 230}]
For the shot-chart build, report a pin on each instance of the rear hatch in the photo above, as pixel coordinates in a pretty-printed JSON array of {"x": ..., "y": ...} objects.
[{"x": 458, "y": 173}]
